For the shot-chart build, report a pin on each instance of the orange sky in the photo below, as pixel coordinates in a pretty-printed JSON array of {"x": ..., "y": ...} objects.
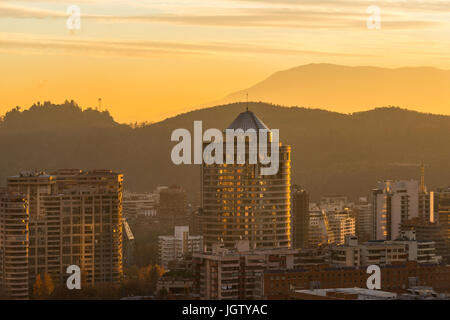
[{"x": 149, "y": 59}]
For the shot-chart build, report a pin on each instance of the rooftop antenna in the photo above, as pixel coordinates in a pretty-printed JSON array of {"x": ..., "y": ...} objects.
[
  {"x": 247, "y": 102},
  {"x": 99, "y": 104}
]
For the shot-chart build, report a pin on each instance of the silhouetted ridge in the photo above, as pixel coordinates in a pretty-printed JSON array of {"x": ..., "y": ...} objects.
[
  {"x": 331, "y": 152},
  {"x": 47, "y": 116}
]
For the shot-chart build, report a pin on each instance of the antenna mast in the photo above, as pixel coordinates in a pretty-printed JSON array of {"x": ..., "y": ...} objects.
[{"x": 247, "y": 102}]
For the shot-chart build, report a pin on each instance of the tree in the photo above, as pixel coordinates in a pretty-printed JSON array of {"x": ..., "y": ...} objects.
[
  {"x": 48, "y": 286},
  {"x": 162, "y": 294},
  {"x": 38, "y": 287}
]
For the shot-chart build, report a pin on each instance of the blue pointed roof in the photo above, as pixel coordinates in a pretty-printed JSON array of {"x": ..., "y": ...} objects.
[{"x": 248, "y": 120}]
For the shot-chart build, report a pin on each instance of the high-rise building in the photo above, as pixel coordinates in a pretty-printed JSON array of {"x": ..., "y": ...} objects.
[
  {"x": 442, "y": 214},
  {"x": 75, "y": 219},
  {"x": 364, "y": 219},
  {"x": 393, "y": 203},
  {"x": 319, "y": 233},
  {"x": 239, "y": 203},
  {"x": 172, "y": 206},
  {"x": 14, "y": 239},
  {"x": 300, "y": 217},
  {"x": 178, "y": 246},
  {"x": 341, "y": 224}
]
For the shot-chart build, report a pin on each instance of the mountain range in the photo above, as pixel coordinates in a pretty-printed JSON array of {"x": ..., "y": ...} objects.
[
  {"x": 350, "y": 89},
  {"x": 333, "y": 153}
]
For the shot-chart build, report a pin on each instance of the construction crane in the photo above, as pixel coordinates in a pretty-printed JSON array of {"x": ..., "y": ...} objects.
[{"x": 422, "y": 167}]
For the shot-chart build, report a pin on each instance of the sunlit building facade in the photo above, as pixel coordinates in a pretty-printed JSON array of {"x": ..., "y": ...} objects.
[
  {"x": 14, "y": 239},
  {"x": 75, "y": 218},
  {"x": 241, "y": 204},
  {"x": 393, "y": 203}
]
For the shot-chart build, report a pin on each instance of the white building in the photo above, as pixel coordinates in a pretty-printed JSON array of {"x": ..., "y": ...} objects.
[
  {"x": 342, "y": 224},
  {"x": 420, "y": 251},
  {"x": 382, "y": 252},
  {"x": 393, "y": 203},
  {"x": 176, "y": 247}
]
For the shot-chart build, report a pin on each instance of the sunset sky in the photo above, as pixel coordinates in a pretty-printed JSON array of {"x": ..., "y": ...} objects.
[{"x": 150, "y": 59}]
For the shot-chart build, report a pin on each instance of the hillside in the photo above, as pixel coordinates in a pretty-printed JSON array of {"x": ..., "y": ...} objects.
[
  {"x": 332, "y": 152},
  {"x": 351, "y": 89}
]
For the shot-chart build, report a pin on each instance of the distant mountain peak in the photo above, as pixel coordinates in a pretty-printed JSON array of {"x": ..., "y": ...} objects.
[{"x": 351, "y": 89}]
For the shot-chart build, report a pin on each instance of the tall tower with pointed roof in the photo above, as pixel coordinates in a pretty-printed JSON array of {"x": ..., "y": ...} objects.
[{"x": 238, "y": 203}]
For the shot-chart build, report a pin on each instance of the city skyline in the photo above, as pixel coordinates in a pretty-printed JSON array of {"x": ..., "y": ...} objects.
[
  {"x": 244, "y": 222},
  {"x": 199, "y": 150}
]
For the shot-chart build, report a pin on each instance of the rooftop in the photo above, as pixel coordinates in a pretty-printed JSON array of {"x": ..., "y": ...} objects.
[
  {"x": 248, "y": 120},
  {"x": 363, "y": 294}
]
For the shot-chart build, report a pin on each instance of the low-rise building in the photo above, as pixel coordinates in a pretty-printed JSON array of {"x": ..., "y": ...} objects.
[
  {"x": 398, "y": 278},
  {"x": 227, "y": 274},
  {"x": 406, "y": 248},
  {"x": 178, "y": 246},
  {"x": 343, "y": 294}
]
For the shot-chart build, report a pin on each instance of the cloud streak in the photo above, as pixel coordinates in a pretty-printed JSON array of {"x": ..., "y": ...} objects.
[
  {"x": 312, "y": 17},
  {"x": 146, "y": 48}
]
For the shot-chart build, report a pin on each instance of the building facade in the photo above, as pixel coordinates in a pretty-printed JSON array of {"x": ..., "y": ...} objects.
[
  {"x": 75, "y": 218},
  {"x": 393, "y": 203},
  {"x": 300, "y": 217},
  {"x": 178, "y": 246},
  {"x": 364, "y": 219},
  {"x": 172, "y": 207},
  {"x": 14, "y": 241},
  {"x": 239, "y": 203},
  {"x": 398, "y": 278},
  {"x": 430, "y": 231},
  {"x": 232, "y": 274}
]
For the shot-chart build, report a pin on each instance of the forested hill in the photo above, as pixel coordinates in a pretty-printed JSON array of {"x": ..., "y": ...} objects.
[{"x": 333, "y": 153}]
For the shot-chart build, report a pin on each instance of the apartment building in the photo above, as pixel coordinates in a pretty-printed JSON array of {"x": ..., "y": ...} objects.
[
  {"x": 178, "y": 246},
  {"x": 348, "y": 254},
  {"x": 341, "y": 224},
  {"x": 380, "y": 252},
  {"x": 14, "y": 240},
  {"x": 430, "y": 231},
  {"x": 75, "y": 217},
  {"x": 172, "y": 206},
  {"x": 230, "y": 274},
  {"x": 240, "y": 203},
  {"x": 299, "y": 217},
  {"x": 393, "y": 203},
  {"x": 319, "y": 230},
  {"x": 364, "y": 219}
]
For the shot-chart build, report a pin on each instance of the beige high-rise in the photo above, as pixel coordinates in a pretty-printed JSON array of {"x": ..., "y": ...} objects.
[
  {"x": 238, "y": 203},
  {"x": 13, "y": 245},
  {"x": 75, "y": 218}
]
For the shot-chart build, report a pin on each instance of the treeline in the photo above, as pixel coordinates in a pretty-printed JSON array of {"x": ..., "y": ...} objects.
[
  {"x": 331, "y": 152},
  {"x": 137, "y": 282}
]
